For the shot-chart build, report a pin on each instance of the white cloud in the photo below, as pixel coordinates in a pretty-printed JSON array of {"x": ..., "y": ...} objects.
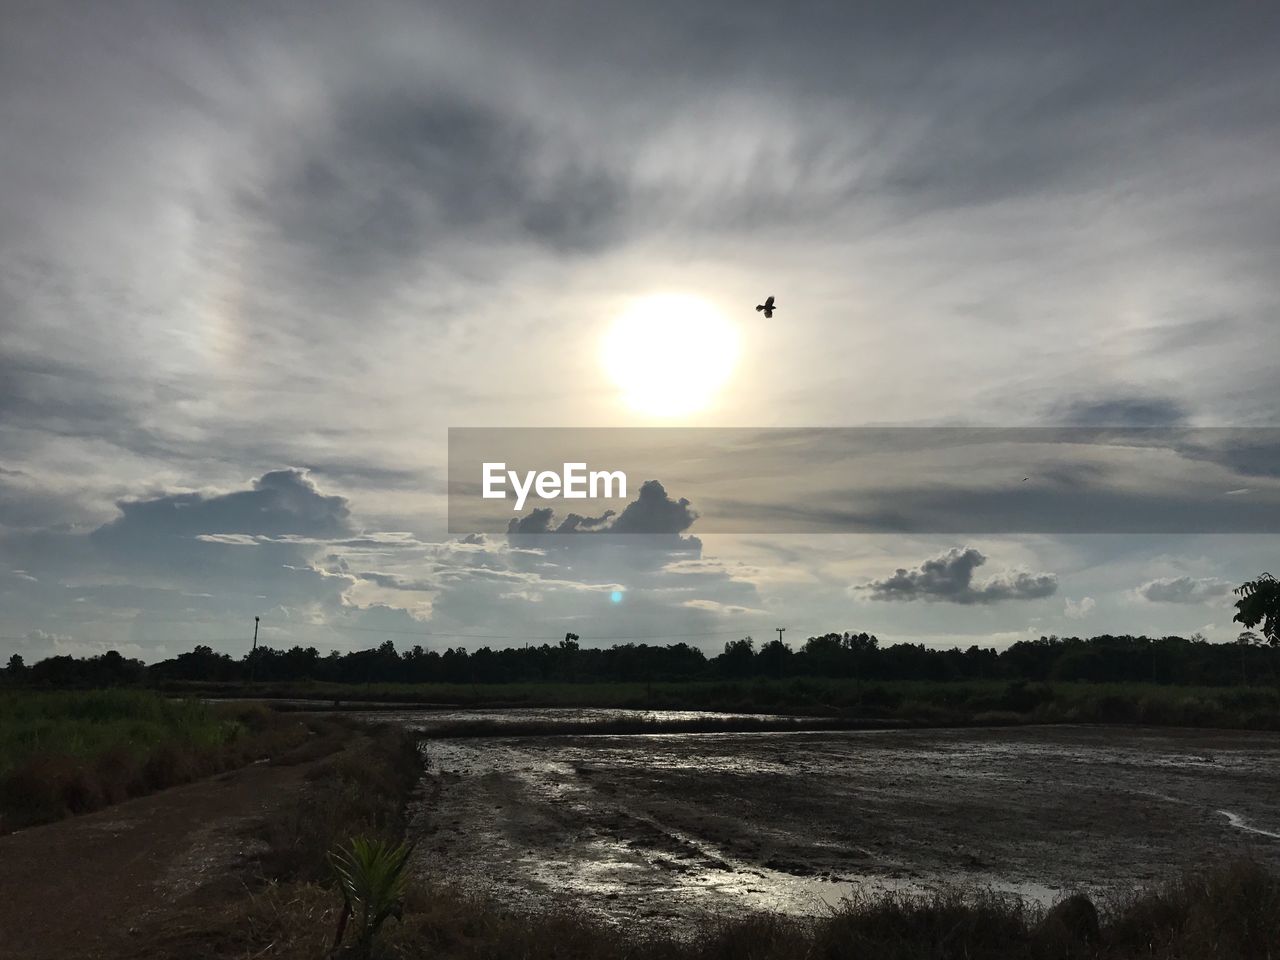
[{"x": 1079, "y": 609}]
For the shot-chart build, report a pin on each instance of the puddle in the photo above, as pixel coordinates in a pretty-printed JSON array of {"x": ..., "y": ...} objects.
[{"x": 689, "y": 826}]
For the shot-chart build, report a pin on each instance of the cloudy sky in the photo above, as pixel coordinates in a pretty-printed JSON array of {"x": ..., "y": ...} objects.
[{"x": 257, "y": 258}]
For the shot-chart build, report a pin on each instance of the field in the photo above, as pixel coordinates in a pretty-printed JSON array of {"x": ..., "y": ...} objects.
[
  {"x": 901, "y": 843},
  {"x": 70, "y": 752},
  {"x": 929, "y": 702},
  {"x": 683, "y": 828}
]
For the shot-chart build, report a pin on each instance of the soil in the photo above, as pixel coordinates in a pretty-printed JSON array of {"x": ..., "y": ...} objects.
[
  {"x": 684, "y": 827},
  {"x": 81, "y": 888},
  {"x": 680, "y": 828}
]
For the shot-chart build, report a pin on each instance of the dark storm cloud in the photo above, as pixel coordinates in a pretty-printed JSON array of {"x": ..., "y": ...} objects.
[
  {"x": 281, "y": 502},
  {"x": 949, "y": 578},
  {"x": 641, "y": 546},
  {"x": 653, "y": 512},
  {"x": 1184, "y": 589},
  {"x": 535, "y": 522}
]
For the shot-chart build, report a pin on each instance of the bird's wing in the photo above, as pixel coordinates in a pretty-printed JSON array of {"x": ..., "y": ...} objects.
[{"x": 768, "y": 303}]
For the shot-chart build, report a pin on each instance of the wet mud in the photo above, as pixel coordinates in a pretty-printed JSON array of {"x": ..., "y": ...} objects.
[{"x": 684, "y": 827}]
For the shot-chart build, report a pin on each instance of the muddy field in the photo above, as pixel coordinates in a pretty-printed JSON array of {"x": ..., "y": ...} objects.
[{"x": 683, "y": 826}]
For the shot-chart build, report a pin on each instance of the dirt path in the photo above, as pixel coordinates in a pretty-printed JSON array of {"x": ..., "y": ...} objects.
[{"x": 77, "y": 887}]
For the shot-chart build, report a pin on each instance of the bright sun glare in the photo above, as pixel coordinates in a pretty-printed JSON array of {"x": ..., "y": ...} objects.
[{"x": 670, "y": 354}]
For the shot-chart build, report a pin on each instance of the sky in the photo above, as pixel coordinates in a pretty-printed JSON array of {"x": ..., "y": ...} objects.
[{"x": 257, "y": 258}]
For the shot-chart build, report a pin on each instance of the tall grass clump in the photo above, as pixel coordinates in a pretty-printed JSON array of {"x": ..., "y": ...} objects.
[
  {"x": 360, "y": 791},
  {"x": 65, "y": 753}
]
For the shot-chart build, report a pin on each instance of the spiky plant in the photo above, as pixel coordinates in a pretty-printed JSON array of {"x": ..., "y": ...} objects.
[{"x": 373, "y": 878}]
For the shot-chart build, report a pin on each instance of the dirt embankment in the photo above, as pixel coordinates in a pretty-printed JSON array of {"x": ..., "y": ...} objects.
[{"x": 77, "y": 888}]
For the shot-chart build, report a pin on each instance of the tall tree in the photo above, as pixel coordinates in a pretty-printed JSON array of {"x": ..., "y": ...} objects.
[{"x": 1259, "y": 603}]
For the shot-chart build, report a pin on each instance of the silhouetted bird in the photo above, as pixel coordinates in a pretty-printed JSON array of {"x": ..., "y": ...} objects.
[{"x": 766, "y": 308}]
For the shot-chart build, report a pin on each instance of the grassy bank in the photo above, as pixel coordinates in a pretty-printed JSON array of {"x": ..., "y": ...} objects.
[
  {"x": 73, "y": 752},
  {"x": 288, "y": 906},
  {"x": 983, "y": 702}
]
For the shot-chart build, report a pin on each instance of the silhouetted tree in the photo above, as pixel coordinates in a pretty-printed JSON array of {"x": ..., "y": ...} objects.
[
  {"x": 1259, "y": 603},
  {"x": 774, "y": 657},
  {"x": 17, "y": 668},
  {"x": 738, "y": 658}
]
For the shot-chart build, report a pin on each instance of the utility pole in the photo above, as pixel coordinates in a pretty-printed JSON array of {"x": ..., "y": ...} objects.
[
  {"x": 781, "y": 631},
  {"x": 253, "y": 652}
]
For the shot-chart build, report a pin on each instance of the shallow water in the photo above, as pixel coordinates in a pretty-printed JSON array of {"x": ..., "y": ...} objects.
[
  {"x": 683, "y": 826},
  {"x": 423, "y": 720}
]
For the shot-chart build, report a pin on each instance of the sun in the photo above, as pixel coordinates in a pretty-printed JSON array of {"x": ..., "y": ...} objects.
[{"x": 670, "y": 354}]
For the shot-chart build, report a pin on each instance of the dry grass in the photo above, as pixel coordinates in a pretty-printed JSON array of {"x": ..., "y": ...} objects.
[
  {"x": 71, "y": 753},
  {"x": 360, "y": 791}
]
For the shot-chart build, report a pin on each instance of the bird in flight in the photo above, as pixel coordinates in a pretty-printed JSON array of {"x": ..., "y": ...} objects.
[{"x": 766, "y": 308}]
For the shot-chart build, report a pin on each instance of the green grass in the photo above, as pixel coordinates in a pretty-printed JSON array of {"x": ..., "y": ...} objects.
[
  {"x": 958, "y": 702},
  {"x": 71, "y": 752},
  {"x": 360, "y": 791},
  {"x": 83, "y": 725}
]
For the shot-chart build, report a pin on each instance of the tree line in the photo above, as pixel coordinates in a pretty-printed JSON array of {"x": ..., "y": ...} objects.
[{"x": 1104, "y": 658}]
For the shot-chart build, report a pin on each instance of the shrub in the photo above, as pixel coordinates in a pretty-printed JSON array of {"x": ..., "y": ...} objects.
[{"x": 373, "y": 880}]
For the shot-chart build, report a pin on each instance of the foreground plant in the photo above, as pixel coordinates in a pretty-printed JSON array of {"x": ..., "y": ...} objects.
[{"x": 373, "y": 878}]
